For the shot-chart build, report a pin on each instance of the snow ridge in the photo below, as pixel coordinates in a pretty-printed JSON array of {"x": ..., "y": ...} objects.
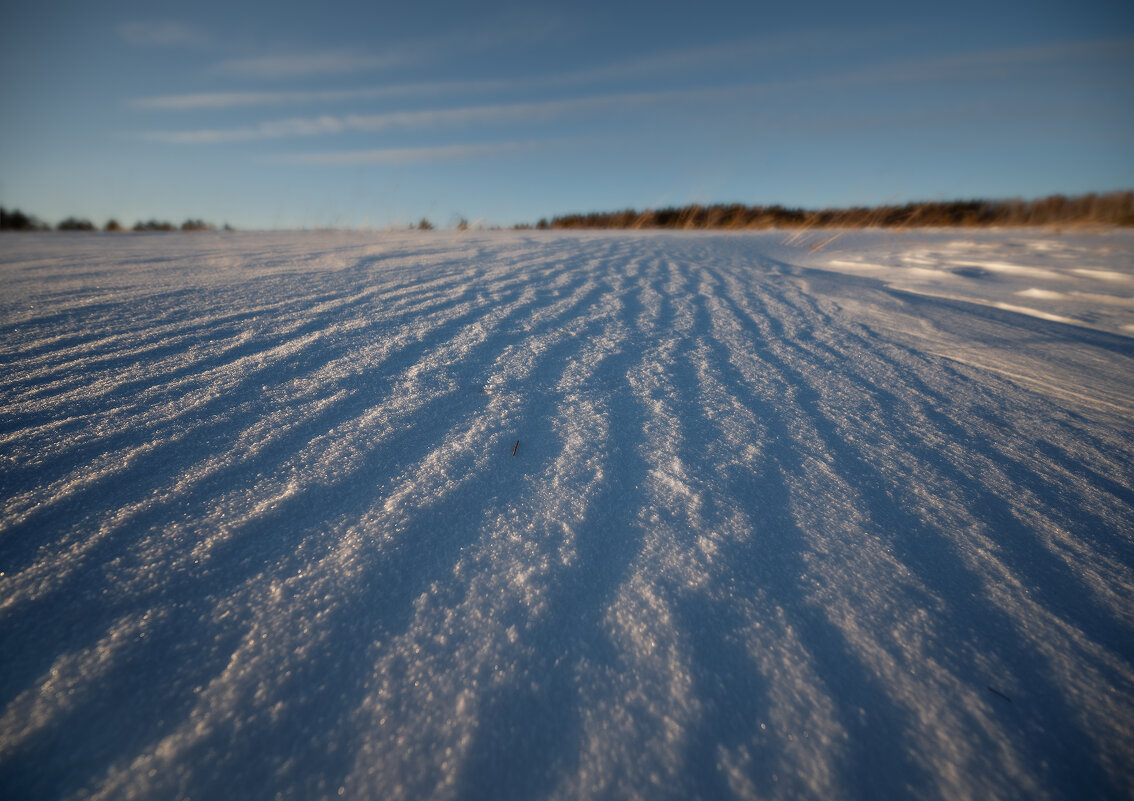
[{"x": 769, "y": 531}]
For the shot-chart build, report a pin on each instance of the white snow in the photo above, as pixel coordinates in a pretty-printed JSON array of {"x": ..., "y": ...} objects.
[
  {"x": 789, "y": 516},
  {"x": 1083, "y": 279}
]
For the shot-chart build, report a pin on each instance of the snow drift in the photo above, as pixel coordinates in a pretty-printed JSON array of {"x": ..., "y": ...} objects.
[{"x": 783, "y": 521}]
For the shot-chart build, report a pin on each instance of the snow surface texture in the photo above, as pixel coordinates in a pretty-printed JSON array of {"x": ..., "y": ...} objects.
[{"x": 770, "y": 531}]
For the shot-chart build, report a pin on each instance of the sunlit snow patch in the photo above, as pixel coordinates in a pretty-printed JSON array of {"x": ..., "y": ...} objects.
[{"x": 771, "y": 531}]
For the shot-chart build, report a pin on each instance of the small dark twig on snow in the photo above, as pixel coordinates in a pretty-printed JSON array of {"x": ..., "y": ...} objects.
[{"x": 994, "y": 691}]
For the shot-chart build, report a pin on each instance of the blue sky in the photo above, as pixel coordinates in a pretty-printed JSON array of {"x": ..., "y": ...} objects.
[{"x": 353, "y": 114}]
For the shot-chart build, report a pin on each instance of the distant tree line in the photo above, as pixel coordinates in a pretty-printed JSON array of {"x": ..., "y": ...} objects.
[
  {"x": 1114, "y": 208},
  {"x": 16, "y": 220},
  {"x": 188, "y": 225}
]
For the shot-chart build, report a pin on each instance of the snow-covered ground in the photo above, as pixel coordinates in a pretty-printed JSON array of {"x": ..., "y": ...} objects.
[{"x": 852, "y": 521}]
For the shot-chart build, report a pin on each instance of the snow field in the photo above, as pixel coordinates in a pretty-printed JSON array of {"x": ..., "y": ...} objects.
[{"x": 782, "y": 522}]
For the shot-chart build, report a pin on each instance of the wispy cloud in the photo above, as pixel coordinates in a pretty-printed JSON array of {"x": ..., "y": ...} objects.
[
  {"x": 751, "y": 50},
  {"x": 221, "y": 100},
  {"x": 986, "y": 64},
  {"x": 402, "y": 155},
  {"x": 293, "y": 65},
  {"x": 166, "y": 33},
  {"x": 371, "y": 123},
  {"x": 972, "y": 65},
  {"x": 523, "y": 30},
  {"x": 681, "y": 61}
]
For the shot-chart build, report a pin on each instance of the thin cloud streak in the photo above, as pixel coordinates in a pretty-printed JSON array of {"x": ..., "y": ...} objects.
[
  {"x": 970, "y": 66},
  {"x": 986, "y": 64},
  {"x": 167, "y": 33},
  {"x": 294, "y": 65},
  {"x": 402, "y": 155},
  {"x": 492, "y": 35},
  {"x": 372, "y": 123},
  {"x": 748, "y": 50},
  {"x": 221, "y": 100},
  {"x": 976, "y": 65},
  {"x": 681, "y": 60}
]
